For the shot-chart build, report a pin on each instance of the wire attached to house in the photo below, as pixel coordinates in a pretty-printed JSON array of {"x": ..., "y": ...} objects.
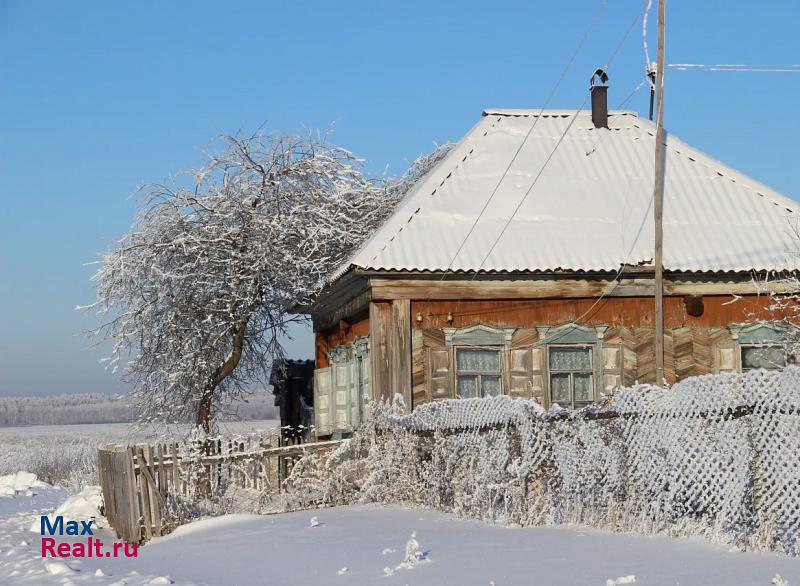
[
  {"x": 614, "y": 282},
  {"x": 735, "y": 67},
  {"x": 612, "y": 285},
  {"x": 645, "y": 46},
  {"x": 595, "y": 18},
  {"x": 550, "y": 156},
  {"x": 547, "y": 101}
]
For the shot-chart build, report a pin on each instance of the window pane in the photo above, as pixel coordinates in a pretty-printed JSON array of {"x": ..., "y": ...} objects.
[
  {"x": 467, "y": 387},
  {"x": 570, "y": 358},
  {"x": 769, "y": 357},
  {"x": 478, "y": 360},
  {"x": 490, "y": 386},
  {"x": 559, "y": 389},
  {"x": 583, "y": 388}
]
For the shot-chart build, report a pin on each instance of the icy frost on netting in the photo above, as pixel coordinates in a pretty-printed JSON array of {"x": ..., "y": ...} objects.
[{"x": 717, "y": 456}]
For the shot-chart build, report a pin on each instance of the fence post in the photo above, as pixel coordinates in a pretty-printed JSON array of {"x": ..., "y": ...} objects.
[{"x": 177, "y": 483}]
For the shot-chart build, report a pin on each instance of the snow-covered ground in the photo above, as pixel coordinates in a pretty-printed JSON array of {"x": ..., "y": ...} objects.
[{"x": 373, "y": 545}]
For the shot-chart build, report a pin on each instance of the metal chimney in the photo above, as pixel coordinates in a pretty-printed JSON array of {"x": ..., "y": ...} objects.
[{"x": 599, "y": 94}]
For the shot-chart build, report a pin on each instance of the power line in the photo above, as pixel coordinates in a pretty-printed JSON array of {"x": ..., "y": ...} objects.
[
  {"x": 552, "y": 153},
  {"x": 535, "y": 180},
  {"x": 615, "y": 281},
  {"x": 547, "y": 101},
  {"x": 736, "y": 67},
  {"x": 612, "y": 285}
]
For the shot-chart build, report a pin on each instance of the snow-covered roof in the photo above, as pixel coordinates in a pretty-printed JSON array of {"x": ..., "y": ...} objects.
[{"x": 590, "y": 210}]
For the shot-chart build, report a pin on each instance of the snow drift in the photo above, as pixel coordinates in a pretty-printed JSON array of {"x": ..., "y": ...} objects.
[
  {"x": 714, "y": 456},
  {"x": 19, "y": 483}
]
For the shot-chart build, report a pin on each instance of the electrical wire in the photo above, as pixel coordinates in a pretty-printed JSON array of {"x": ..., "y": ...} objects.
[
  {"x": 615, "y": 281},
  {"x": 735, "y": 67},
  {"x": 547, "y": 101},
  {"x": 612, "y": 285},
  {"x": 552, "y": 153}
]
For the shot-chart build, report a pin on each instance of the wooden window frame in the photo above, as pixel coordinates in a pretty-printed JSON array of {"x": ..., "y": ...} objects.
[
  {"x": 590, "y": 371},
  {"x": 501, "y": 350}
]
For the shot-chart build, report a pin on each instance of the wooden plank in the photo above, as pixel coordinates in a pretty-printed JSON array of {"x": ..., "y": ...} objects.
[
  {"x": 128, "y": 489},
  {"x": 106, "y": 487},
  {"x": 162, "y": 470},
  {"x": 176, "y": 479},
  {"x": 417, "y": 368},
  {"x": 562, "y": 288},
  {"x": 380, "y": 317},
  {"x": 144, "y": 491},
  {"x": 155, "y": 497},
  {"x": 524, "y": 337},
  {"x": 400, "y": 350}
]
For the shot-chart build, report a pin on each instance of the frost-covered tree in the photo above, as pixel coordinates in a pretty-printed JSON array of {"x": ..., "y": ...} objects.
[{"x": 195, "y": 298}]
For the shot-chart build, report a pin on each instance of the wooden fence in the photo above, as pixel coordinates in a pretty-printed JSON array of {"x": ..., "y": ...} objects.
[{"x": 146, "y": 487}]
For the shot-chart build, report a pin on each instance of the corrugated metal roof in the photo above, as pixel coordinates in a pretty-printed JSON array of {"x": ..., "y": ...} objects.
[{"x": 590, "y": 210}]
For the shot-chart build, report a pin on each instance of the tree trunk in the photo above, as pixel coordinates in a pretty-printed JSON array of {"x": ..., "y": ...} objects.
[
  {"x": 204, "y": 409},
  {"x": 224, "y": 370}
]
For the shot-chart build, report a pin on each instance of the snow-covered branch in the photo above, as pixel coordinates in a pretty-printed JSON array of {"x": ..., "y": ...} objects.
[{"x": 197, "y": 295}]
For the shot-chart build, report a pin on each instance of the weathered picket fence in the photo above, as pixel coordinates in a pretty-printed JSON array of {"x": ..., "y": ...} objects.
[{"x": 148, "y": 489}]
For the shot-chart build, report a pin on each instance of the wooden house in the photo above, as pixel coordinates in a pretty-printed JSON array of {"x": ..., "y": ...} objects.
[{"x": 523, "y": 264}]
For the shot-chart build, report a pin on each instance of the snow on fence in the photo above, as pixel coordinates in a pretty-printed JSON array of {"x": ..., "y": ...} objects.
[
  {"x": 716, "y": 456},
  {"x": 148, "y": 490}
]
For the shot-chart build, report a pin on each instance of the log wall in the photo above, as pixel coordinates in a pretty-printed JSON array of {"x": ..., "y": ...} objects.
[
  {"x": 718, "y": 311},
  {"x": 692, "y": 343}
]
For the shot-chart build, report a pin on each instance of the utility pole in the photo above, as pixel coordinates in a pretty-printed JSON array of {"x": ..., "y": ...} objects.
[{"x": 658, "y": 194}]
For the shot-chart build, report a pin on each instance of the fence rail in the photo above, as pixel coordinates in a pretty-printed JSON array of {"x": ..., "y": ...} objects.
[{"x": 145, "y": 487}]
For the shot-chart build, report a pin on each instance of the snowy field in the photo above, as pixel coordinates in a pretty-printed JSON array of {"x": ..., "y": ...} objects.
[
  {"x": 125, "y": 432},
  {"x": 66, "y": 455},
  {"x": 360, "y": 545}
]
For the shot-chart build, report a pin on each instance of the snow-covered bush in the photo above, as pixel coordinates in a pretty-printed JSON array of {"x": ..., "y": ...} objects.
[{"x": 714, "y": 456}]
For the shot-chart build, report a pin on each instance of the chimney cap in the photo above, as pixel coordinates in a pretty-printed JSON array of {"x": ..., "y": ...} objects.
[
  {"x": 599, "y": 99},
  {"x": 599, "y": 74}
]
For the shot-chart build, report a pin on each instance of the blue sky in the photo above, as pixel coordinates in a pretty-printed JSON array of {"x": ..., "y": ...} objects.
[{"x": 96, "y": 97}]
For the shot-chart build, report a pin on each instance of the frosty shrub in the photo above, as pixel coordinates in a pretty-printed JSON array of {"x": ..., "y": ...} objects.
[{"x": 713, "y": 456}]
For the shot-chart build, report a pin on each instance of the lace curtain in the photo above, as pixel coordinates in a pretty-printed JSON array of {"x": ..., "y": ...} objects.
[
  {"x": 570, "y": 358},
  {"x": 478, "y": 360}
]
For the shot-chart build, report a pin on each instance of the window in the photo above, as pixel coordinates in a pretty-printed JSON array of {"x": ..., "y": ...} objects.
[
  {"x": 766, "y": 357},
  {"x": 571, "y": 375},
  {"x": 478, "y": 372}
]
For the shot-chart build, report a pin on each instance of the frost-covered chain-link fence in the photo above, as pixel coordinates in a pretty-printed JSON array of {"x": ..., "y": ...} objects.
[{"x": 717, "y": 456}]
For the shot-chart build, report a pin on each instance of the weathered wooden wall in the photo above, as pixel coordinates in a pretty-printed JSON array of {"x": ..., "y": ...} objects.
[
  {"x": 402, "y": 332},
  {"x": 380, "y": 334},
  {"x": 342, "y": 333},
  {"x": 613, "y": 311},
  {"x": 400, "y": 348},
  {"x": 688, "y": 351}
]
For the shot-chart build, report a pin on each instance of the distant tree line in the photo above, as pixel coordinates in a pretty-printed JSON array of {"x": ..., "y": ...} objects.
[{"x": 100, "y": 408}]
